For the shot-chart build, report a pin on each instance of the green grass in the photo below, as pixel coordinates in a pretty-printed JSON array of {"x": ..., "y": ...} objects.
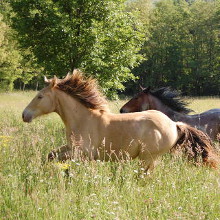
[{"x": 32, "y": 188}]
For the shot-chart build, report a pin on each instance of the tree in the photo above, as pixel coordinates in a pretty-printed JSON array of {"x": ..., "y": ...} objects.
[
  {"x": 183, "y": 47},
  {"x": 163, "y": 49},
  {"x": 202, "y": 57},
  {"x": 9, "y": 57},
  {"x": 15, "y": 63},
  {"x": 96, "y": 36}
]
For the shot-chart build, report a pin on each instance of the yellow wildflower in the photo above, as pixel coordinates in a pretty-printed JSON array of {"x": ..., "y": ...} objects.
[
  {"x": 5, "y": 140},
  {"x": 63, "y": 166}
]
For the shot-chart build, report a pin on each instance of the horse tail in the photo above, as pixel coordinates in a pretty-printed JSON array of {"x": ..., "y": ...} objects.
[{"x": 196, "y": 144}]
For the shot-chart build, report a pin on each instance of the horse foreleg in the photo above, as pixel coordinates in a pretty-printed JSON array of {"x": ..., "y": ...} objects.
[{"x": 63, "y": 153}]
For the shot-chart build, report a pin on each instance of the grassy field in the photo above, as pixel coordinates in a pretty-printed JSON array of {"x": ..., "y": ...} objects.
[{"x": 32, "y": 188}]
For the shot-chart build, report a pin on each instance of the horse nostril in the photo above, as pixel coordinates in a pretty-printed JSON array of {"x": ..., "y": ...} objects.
[
  {"x": 121, "y": 110},
  {"x": 26, "y": 116}
]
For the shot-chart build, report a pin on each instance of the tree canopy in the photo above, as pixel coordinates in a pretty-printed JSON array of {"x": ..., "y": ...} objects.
[
  {"x": 183, "y": 47},
  {"x": 158, "y": 43},
  {"x": 16, "y": 63},
  {"x": 99, "y": 37}
]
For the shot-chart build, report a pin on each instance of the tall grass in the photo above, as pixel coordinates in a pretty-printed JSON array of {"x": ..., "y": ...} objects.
[{"x": 32, "y": 188}]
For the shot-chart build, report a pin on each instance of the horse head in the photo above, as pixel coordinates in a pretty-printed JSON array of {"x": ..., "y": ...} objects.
[
  {"x": 163, "y": 99},
  {"x": 42, "y": 103},
  {"x": 139, "y": 102}
]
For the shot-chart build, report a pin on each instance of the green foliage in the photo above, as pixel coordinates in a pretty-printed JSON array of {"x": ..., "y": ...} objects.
[
  {"x": 204, "y": 47},
  {"x": 96, "y": 36},
  {"x": 163, "y": 43},
  {"x": 15, "y": 63},
  {"x": 9, "y": 57},
  {"x": 183, "y": 47}
]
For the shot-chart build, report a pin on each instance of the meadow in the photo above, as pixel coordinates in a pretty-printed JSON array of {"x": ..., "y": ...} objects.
[{"x": 33, "y": 188}]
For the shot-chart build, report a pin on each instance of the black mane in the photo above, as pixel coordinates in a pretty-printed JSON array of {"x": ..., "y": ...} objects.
[{"x": 171, "y": 98}]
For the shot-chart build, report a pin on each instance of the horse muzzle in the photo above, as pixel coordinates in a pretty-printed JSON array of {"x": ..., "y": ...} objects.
[
  {"x": 27, "y": 116},
  {"x": 123, "y": 110}
]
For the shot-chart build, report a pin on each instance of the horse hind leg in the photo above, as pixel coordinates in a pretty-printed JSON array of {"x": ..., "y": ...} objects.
[
  {"x": 148, "y": 163},
  {"x": 218, "y": 134},
  {"x": 149, "y": 169},
  {"x": 213, "y": 132}
]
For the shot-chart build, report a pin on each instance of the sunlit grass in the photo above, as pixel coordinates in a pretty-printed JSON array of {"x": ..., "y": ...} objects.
[
  {"x": 199, "y": 105},
  {"x": 32, "y": 188}
]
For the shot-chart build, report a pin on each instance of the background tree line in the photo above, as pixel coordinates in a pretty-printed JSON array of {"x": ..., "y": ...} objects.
[
  {"x": 158, "y": 43},
  {"x": 183, "y": 48}
]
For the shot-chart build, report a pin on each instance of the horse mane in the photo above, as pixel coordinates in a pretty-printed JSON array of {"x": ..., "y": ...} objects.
[
  {"x": 171, "y": 98},
  {"x": 84, "y": 89}
]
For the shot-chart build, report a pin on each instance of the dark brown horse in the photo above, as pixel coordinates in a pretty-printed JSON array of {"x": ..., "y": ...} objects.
[{"x": 170, "y": 103}]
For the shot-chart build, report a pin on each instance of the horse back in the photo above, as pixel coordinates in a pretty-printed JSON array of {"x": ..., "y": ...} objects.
[
  {"x": 208, "y": 121},
  {"x": 151, "y": 130}
]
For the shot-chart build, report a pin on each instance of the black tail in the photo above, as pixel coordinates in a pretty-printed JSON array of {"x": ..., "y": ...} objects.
[{"x": 196, "y": 144}]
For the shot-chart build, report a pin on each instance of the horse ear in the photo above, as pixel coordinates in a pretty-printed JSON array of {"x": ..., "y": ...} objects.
[
  {"x": 141, "y": 88},
  {"x": 75, "y": 71},
  {"x": 67, "y": 76},
  {"x": 51, "y": 82},
  {"x": 54, "y": 81},
  {"x": 47, "y": 81},
  {"x": 146, "y": 90}
]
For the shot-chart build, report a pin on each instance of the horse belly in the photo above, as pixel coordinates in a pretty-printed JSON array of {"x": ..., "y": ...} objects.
[{"x": 115, "y": 149}]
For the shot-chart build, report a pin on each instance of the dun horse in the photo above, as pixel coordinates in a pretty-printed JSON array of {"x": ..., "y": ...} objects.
[
  {"x": 170, "y": 103},
  {"x": 100, "y": 134}
]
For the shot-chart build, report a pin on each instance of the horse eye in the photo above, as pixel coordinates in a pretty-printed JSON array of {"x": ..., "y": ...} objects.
[{"x": 40, "y": 97}]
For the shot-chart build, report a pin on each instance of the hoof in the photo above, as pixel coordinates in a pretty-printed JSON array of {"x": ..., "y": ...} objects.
[{"x": 52, "y": 155}]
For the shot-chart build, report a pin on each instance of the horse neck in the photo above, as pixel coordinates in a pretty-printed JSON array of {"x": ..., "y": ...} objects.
[
  {"x": 156, "y": 104},
  {"x": 71, "y": 111}
]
